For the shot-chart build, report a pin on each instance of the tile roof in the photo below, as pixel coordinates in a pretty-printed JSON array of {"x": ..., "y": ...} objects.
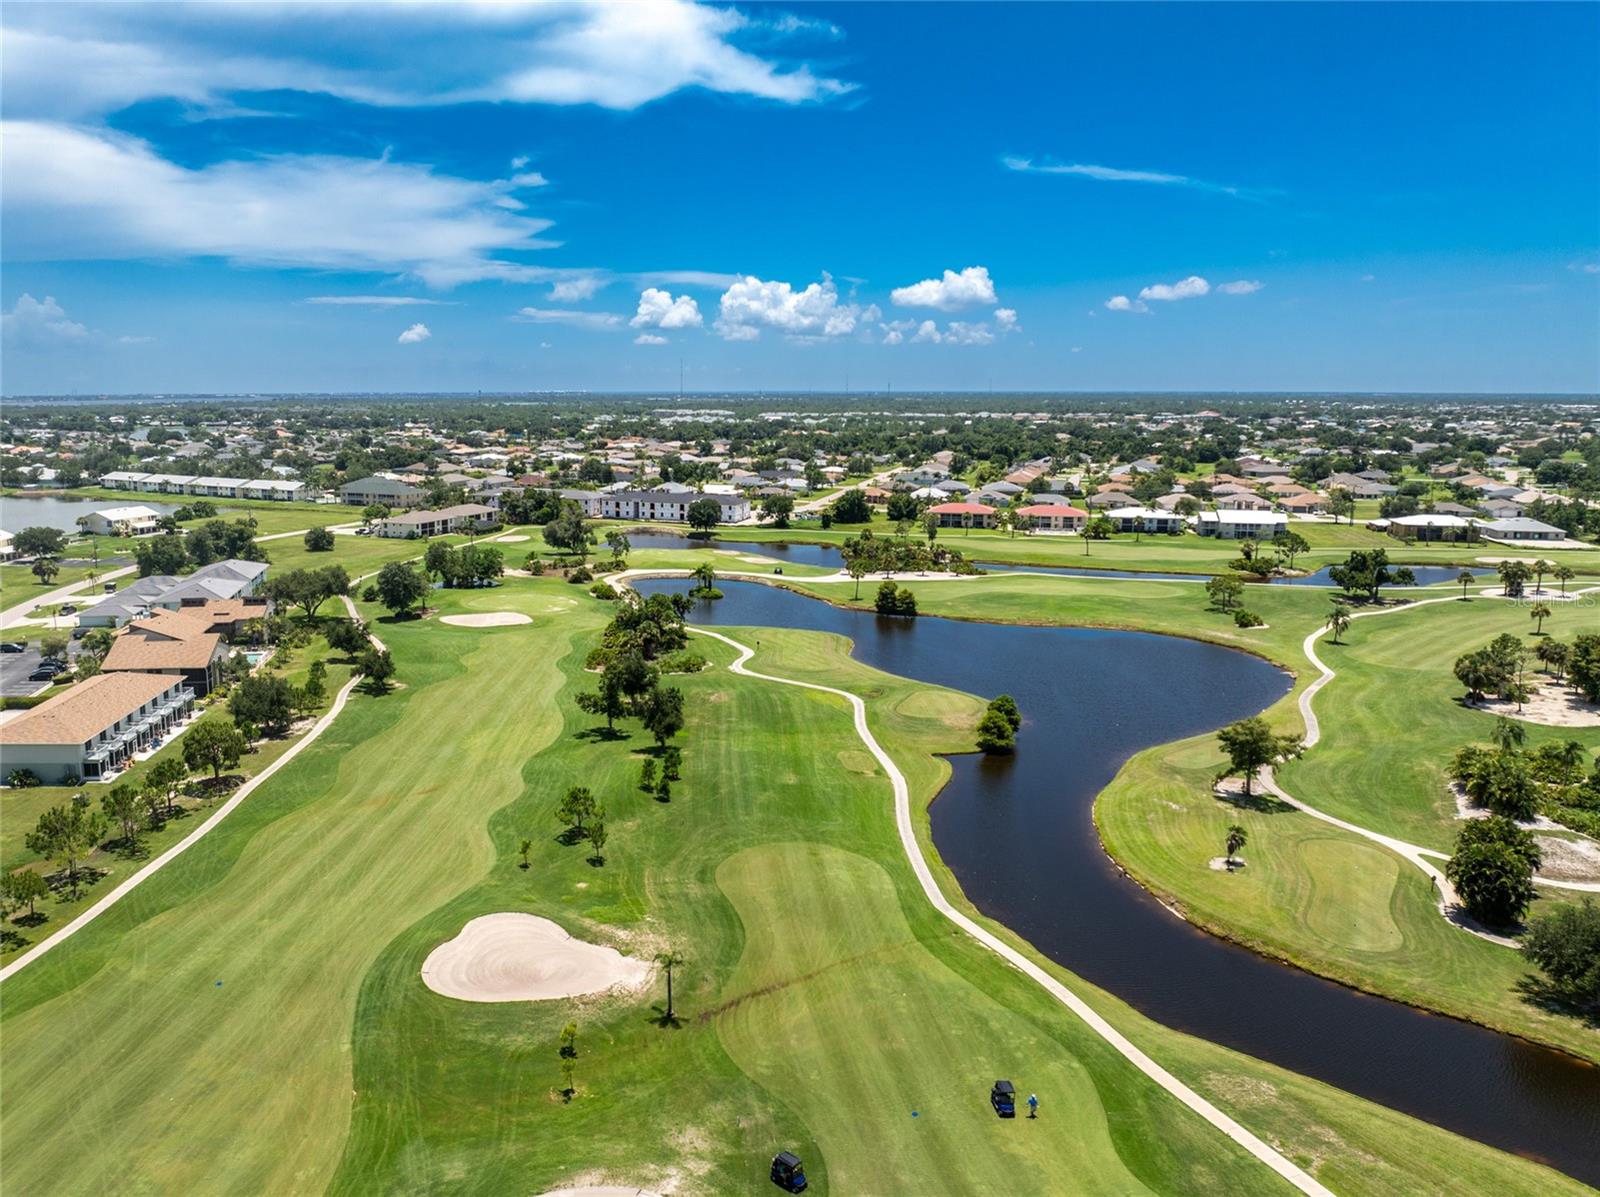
[{"x": 86, "y": 709}]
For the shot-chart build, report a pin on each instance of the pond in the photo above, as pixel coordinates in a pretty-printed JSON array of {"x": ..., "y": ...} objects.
[
  {"x": 58, "y": 511},
  {"x": 1019, "y": 835}
]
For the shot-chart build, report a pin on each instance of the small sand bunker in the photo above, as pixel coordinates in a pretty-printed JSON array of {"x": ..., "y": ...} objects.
[
  {"x": 599, "y": 1191},
  {"x": 1221, "y": 864},
  {"x": 1569, "y": 859},
  {"x": 488, "y": 619},
  {"x": 515, "y": 536},
  {"x": 1554, "y": 704},
  {"x": 523, "y": 958}
]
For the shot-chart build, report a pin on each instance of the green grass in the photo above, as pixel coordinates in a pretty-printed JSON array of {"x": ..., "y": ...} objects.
[
  {"x": 822, "y": 1001},
  {"x": 20, "y": 809}
]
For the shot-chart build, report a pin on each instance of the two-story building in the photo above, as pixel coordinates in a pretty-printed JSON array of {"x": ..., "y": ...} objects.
[{"x": 92, "y": 730}]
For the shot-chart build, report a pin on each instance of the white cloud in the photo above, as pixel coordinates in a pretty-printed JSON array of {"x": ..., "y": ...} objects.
[
  {"x": 575, "y": 290},
  {"x": 1244, "y": 286},
  {"x": 1112, "y": 174},
  {"x": 374, "y": 301},
  {"x": 40, "y": 323},
  {"x": 415, "y": 335},
  {"x": 75, "y": 194},
  {"x": 1189, "y": 288},
  {"x": 688, "y": 278},
  {"x": 649, "y": 339},
  {"x": 950, "y": 293},
  {"x": 1121, "y": 303},
  {"x": 596, "y": 321},
  {"x": 71, "y": 63},
  {"x": 957, "y": 332},
  {"x": 1367, "y": 278},
  {"x": 1005, "y": 319},
  {"x": 658, "y": 309},
  {"x": 752, "y": 304},
  {"x": 1077, "y": 349},
  {"x": 960, "y": 332},
  {"x": 928, "y": 333}
]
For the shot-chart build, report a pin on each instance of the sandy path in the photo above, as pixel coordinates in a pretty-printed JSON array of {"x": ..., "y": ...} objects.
[
  {"x": 512, "y": 957},
  {"x": 487, "y": 619},
  {"x": 1235, "y": 1131}
]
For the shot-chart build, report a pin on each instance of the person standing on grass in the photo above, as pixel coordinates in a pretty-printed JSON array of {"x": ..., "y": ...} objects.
[{"x": 1033, "y": 1105}]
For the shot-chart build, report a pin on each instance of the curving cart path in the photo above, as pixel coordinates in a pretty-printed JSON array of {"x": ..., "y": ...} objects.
[{"x": 1245, "y": 1138}]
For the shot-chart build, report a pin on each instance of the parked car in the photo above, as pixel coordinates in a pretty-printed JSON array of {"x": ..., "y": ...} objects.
[
  {"x": 43, "y": 674},
  {"x": 1003, "y": 1097},
  {"x": 11, "y": 646},
  {"x": 67, "y": 609},
  {"x": 788, "y": 1173}
]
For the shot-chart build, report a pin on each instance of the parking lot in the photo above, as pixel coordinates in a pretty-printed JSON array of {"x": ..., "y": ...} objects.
[{"x": 15, "y": 668}]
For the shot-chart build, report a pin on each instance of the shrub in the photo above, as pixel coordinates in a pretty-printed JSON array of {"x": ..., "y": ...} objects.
[
  {"x": 1247, "y": 619},
  {"x": 604, "y": 590},
  {"x": 682, "y": 662},
  {"x": 1565, "y": 944},
  {"x": 580, "y": 575},
  {"x": 1492, "y": 869},
  {"x": 995, "y": 734},
  {"x": 22, "y": 779},
  {"x": 892, "y": 600}
]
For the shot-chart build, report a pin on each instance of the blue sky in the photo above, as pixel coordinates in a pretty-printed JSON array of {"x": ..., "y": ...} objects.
[{"x": 533, "y": 196}]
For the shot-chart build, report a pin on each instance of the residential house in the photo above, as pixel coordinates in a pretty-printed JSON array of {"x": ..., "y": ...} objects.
[
  {"x": 1241, "y": 502},
  {"x": 1431, "y": 526},
  {"x": 121, "y": 521},
  {"x": 1053, "y": 517},
  {"x": 367, "y": 492},
  {"x": 963, "y": 515},
  {"x": 221, "y": 580},
  {"x": 1306, "y": 504},
  {"x": 415, "y": 524},
  {"x": 172, "y": 643},
  {"x": 1241, "y": 525},
  {"x": 1145, "y": 519},
  {"x": 1521, "y": 529},
  {"x": 91, "y": 730},
  {"x": 1359, "y": 487}
]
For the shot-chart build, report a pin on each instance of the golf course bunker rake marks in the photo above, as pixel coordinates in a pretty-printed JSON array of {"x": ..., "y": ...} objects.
[{"x": 523, "y": 958}]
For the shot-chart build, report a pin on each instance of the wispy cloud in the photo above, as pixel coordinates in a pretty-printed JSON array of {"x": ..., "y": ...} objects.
[
  {"x": 595, "y": 321},
  {"x": 1192, "y": 287},
  {"x": 374, "y": 301},
  {"x": 69, "y": 63},
  {"x": 1113, "y": 174}
]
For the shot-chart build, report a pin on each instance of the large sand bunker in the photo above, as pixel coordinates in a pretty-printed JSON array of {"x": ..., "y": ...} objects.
[
  {"x": 489, "y": 619},
  {"x": 523, "y": 958}
]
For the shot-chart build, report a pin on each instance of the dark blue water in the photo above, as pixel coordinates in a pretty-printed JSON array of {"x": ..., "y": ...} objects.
[
  {"x": 828, "y": 556},
  {"x": 1018, "y": 833}
]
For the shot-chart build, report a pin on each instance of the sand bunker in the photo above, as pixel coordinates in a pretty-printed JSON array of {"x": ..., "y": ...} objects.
[
  {"x": 1569, "y": 859},
  {"x": 1554, "y": 704},
  {"x": 512, "y": 538},
  {"x": 599, "y": 1191},
  {"x": 524, "y": 958},
  {"x": 489, "y": 619}
]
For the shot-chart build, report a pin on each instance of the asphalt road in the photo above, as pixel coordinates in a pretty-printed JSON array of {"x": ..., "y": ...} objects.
[{"x": 15, "y": 668}]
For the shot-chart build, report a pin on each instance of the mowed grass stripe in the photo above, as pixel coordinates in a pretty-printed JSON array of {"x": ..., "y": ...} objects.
[{"x": 246, "y": 1087}]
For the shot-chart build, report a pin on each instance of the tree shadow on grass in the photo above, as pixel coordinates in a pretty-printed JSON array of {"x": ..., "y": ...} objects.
[
  {"x": 569, "y": 837},
  {"x": 1258, "y": 801},
  {"x": 659, "y": 1017},
  {"x": 603, "y": 734},
  {"x": 1537, "y": 991}
]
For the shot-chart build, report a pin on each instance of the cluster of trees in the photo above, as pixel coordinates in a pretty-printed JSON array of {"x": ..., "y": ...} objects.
[
  {"x": 997, "y": 730},
  {"x": 777, "y": 509},
  {"x": 1496, "y": 668},
  {"x": 318, "y": 540},
  {"x": 307, "y": 589},
  {"x": 1512, "y": 780},
  {"x": 214, "y": 540},
  {"x": 584, "y": 818},
  {"x": 468, "y": 565},
  {"x": 640, "y": 633},
  {"x": 400, "y": 586},
  {"x": 659, "y": 784},
  {"x": 567, "y": 533},
  {"x": 851, "y": 507},
  {"x": 893, "y": 599},
  {"x": 869, "y": 554},
  {"x": 1366, "y": 571},
  {"x": 532, "y": 506},
  {"x": 1565, "y": 944}
]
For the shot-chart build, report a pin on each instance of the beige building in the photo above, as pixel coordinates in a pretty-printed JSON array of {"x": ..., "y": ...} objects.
[{"x": 92, "y": 730}]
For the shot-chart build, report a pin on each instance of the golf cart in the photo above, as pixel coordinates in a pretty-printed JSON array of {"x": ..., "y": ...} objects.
[
  {"x": 788, "y": 1173},
  {"x": 1003, "y": 1097}
]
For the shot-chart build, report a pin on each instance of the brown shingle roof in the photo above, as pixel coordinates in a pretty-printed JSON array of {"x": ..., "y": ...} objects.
[
  {"x": 167, "y": 640},
  {"x": 86, "y": 709}
]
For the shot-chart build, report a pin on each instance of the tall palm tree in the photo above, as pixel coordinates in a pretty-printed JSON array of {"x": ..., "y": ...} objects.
[
  {"x": 1509, "y": 734},
  {"x": 668, "y": 961},
  {"x": 1338, "y": 620},
  {"x": 1540, "y": 568},
  {"x": 1563, "y": 573},
  {"x": 1466, "y": 579},
  {"x": 1539, "y": 612},
  {"x": 1572, "y": 758}
]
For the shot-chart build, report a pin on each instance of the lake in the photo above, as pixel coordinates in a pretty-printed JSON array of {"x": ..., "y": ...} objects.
[
  {"x": 1019, "y": 835},
  {"x": 56, "y": 511}
]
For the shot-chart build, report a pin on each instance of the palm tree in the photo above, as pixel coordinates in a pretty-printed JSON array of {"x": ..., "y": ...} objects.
[
  {"x": 1466, "y": 579},
  {"x": 1554, "y": 655},
  {"x": 1572, "y": 758},
  {"x": 1540, "y": 568},
  {"x": 1563, "y": 574},
  {"x": 1539, "y": 612},
  {"x": 1509, "y": 734},
  {"x": 1237, "y": 837},
  {"x": 669, "y": 960},
  {"x": 525, "y": 848},
  {"x": 705, "y": 578},
  {"x": 1338, "y": 620}
]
